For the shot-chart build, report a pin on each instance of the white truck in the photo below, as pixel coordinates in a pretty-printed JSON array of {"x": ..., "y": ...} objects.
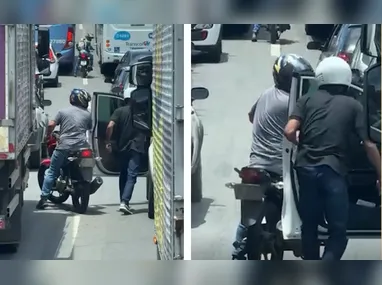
[
  {"x": 167, "y": 148},
  {"x": 17, "y": 125}
]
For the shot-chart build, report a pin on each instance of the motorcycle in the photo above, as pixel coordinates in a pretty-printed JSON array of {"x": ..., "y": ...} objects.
[
  {"x": 261, "y": 195},
  {"x": 276, "y": 30},
  {"x": 85, "y": 67},
  {"x": 75, "y": 177}
]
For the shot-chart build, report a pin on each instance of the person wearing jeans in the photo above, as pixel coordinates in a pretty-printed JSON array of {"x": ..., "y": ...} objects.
[
  {"x": 74, "y": 122},
  {"x": 255, "y": 31},
  {"x": 129, "y": 163},
  {"x": 320, "y": 125}
]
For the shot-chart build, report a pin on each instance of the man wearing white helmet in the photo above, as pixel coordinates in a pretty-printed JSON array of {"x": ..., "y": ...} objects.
[{"x": 326, "y": 120}]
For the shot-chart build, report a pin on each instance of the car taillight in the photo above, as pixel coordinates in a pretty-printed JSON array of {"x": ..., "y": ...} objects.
[
  {"x": 83, "y": 56},
  {"x": 69, "y": 38},
  {"x": 86, "y": 153},
  {"x": 51, "y": 57},
  {"x": 204, "y": 35},
  {"x": 344, "y": 56},
  {"x": 252, "y": 175}
]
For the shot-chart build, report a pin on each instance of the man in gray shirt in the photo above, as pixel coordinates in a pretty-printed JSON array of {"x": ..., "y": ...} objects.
[
  {"x": 269, "y": 116},
  {"x": 74, "y": 121}
]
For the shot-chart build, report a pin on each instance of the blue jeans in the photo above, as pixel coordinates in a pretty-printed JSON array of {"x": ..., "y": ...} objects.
[
  {"x": 130, "y": 162},
  {"x": 58, "y": 159},
  {"x": 241, "y": 233},
  {"x": 256, "y": 28},
  {"x": 323, "y": 193}
]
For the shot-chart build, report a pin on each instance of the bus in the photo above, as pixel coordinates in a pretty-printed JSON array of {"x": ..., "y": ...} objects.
[
  {"x": 62, "y": 39},
  {"x": 114, "y": 40}
]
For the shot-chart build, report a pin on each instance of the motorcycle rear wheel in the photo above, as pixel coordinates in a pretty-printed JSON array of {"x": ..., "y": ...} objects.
[
  {"x": 84, "y": 73},
  {"x": 81, "y": 197},
  {"x": 61, "y": 198},
  {"x": 274, "y": 33}
]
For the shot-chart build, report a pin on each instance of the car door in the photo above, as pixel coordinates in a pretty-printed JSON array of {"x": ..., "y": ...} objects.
[
  {"x": 103, "y": 106},
  {"x": 364, "y": 219}
]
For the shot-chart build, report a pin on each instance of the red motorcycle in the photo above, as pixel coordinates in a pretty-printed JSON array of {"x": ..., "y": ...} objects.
[{"x": 75, "y": 179}]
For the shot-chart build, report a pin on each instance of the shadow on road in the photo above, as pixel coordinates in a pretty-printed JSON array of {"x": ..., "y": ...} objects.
[
  {"x": 42, "y": 232},
  {"x": 285, "y": 42},
  {"x": 199, "y": 212}
]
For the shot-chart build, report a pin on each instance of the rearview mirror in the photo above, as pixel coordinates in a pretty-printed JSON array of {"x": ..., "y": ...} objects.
[
  {"x": 372, "y": 101},
  {"x": 199, "y": 93},
  {"x": 315, "y": 46},
  {"x": 141, "y": 74},
  {"x": 141, "y": 95},
  {"x": 142, "y": 109},
  {"x": 46, "y": 103},
  {"x": 370, "y": 38}
]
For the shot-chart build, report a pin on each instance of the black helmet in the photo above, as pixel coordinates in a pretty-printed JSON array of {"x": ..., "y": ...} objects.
[{"x": 284, "y": 67}]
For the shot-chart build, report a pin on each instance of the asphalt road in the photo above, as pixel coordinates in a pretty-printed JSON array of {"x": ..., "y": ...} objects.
[
  {"x": 234, "y": 85},
  {"x": 102, "y": 233}
]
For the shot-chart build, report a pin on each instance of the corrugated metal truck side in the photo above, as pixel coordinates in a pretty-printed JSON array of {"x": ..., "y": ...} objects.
[
  {"x": 167, "y": 127},
  {"x": 17, "y": 68}
]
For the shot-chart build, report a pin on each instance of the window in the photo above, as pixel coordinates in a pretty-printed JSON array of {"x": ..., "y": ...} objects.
[
  {"x": 352, "y": 37},
  {"x": 374, "y": 102},
  {"x": 125, "y": 56},
  {"x": 333, "y": 43}
]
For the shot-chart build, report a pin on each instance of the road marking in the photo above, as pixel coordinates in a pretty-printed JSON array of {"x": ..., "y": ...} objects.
[
  {"x": 66, "y": 246},
  {"x": 85, "y": 81},
  {"x": 275, "y": 50},
  {"x": 81, "y": 27}
]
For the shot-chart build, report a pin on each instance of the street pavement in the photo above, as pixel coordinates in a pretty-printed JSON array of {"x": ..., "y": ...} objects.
[
  {"x": 235, "y": 84},
  {"x": 102, "y": 233}
]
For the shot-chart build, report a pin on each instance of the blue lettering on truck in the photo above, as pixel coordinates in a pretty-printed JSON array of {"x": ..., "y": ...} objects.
[{"x": 122, "y": 36}]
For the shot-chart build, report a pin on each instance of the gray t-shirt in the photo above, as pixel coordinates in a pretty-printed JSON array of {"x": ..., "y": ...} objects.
[
  {"x": 73, "y": 122},
  {"x": 270, "y": 115}
]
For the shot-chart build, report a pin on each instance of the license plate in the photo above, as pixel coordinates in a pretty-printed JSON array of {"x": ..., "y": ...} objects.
[{"x": 83, "y": 63}]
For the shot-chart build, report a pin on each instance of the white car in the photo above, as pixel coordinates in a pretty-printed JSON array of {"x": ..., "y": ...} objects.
[
  {"x": 208, "y": 38},
  {"x": 54, "y": 59},
  {"x": 197, "y": 134}
]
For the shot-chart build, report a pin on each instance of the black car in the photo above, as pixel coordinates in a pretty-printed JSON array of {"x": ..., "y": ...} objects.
[
  {"x": 341, "y": 43},
  {"x": 131, "y": 56}
]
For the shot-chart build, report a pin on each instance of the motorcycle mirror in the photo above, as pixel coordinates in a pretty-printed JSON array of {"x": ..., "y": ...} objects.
[
  {"x": 46, "y": 103},
  {"x": 199, "y": 93}
]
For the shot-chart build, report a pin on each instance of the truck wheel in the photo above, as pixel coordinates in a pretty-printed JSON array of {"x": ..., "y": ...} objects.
[
  {"x": 150, "y": 196},
  {"x": 35, "y": 159},
  {"x": 80, "y": 198},
  {"x": 216, "y": 53},
  {"x": 196, "y": 185},
  {"x": 10, "y": 248}
]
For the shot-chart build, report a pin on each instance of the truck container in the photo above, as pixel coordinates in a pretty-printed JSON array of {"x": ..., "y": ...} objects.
[{"x": 17, "y": 124}]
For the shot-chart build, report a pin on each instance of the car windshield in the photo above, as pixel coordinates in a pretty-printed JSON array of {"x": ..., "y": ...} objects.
[
  {"x": 354, "y": 33},
  {"x": 135, "y": 56}
]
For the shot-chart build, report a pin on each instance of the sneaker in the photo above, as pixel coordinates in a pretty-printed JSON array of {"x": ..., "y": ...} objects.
[
  {"x": 254, "y": 37},
  {"x": 42, "y": 204},
  {"x": 124, "y": 208}
]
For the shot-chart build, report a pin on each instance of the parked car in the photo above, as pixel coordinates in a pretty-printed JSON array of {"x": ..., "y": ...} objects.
[
  {"x": 131, "y": 57},
  {"x": 197, "y": 134},
  {"x": 341, "y": 43},
  {"x": 208, "y": 38},
  {"x": 54, "y": 59},
  {"x": 121, "y": 85},
  {"x": 320, "y": 32}
]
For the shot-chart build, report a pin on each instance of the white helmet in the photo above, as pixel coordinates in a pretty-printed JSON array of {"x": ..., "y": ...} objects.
[{"x": 333, "y": 71}]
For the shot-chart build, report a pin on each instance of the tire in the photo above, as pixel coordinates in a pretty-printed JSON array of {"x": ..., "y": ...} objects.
[
  {"x": 61, "y": 198},
  {"x": 273, "y": 32},
  {"x": 55, "y": 82},
  {"x": 35, "y": 159},
  {"x": 216, "y": 52},
  {"x": 83, "y": 73},
  {"x": 196, "y": 185},
  {"x": 150, "y": 190},
  {"x": 81, "y": 197}
]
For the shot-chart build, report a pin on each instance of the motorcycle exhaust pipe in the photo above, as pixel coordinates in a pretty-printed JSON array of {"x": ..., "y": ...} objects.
[{"x": 95, "y": 184}]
